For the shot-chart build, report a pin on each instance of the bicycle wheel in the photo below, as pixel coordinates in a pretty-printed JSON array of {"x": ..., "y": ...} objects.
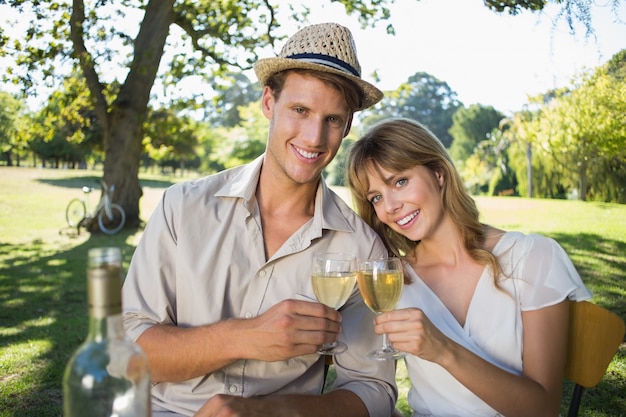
[
  {"x": 115, "y": 223},
  {"x": 75, "y": 212}
]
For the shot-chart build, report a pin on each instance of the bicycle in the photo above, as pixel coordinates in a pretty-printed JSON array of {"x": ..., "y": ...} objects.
[{"x": 111, "y": 216}]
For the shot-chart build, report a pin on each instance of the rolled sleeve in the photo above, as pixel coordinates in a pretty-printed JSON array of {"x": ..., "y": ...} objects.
[{"x": 148, "y": 293}]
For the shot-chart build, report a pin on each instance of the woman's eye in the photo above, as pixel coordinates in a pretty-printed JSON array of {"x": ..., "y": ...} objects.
[
  {"x": 401, "y": 182},
  {"x": 375, "y": 199}
]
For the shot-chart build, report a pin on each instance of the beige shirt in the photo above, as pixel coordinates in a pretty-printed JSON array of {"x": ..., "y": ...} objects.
[{"x": 201, "y": 259}]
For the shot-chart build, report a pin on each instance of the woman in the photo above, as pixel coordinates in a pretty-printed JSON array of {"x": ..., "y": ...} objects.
[{"x": 484, "y": 314}]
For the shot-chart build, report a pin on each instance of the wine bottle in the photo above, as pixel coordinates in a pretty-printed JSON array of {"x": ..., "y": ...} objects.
[{"x": 108, "y": 375}]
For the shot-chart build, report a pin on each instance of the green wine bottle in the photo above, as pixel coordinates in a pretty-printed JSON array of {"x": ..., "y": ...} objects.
[{"x": 109, "y": 375}]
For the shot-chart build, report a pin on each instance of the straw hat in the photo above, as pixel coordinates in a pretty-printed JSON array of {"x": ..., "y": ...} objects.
[{"x": 326, "y": 47}]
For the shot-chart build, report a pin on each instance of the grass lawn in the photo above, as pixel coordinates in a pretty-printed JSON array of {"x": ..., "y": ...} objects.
[{"x": 43, "y": 315}]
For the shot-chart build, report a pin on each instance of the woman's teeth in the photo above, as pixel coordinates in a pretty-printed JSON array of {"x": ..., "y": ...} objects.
[{"x": 408, "y": 218}]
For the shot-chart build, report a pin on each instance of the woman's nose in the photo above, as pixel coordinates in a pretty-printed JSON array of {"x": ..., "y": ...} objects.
[{"x": 392, "y": 204}]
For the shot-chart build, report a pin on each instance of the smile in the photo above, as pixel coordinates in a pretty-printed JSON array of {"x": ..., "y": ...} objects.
[
  {"x": 307, "y": 155},
  {"x": 408, "y": 218}
]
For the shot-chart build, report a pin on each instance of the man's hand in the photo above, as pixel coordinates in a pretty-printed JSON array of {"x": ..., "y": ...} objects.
[
  {"x": 290, "y": 328},
  {"x": 229, "y": 406}
]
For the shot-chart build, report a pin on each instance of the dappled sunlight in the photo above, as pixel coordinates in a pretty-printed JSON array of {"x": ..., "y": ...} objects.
[{"x": 43, "y": 302}]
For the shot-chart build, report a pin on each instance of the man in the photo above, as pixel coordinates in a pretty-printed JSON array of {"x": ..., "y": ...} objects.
[{"x": 218, "y": 292}]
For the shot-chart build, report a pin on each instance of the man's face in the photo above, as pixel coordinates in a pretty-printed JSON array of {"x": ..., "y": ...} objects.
[{"x": 307, "y": 124}]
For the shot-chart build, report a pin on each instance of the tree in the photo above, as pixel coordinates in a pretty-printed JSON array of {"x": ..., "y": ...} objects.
[
  {"x": 246, "y": 142},
  {"x": 470, "y": 126},
  {"x": 10, "y": 115},
  {"x": 571, "y": 10},
  {"x": 200, "y": 38},
  {"x": 423, "y": 98},
  {"x": 575, "y": 141},
  {"x": 586, "y": 132},
  {"x": 66, "y": 129},
  {"x": 170, "y": 139},
  {"x": 227, "y": 105},
  {"x": 206, "y": 38}
]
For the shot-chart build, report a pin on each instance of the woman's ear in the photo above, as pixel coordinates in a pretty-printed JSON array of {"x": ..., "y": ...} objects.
[{"x": 440, "y": 177}]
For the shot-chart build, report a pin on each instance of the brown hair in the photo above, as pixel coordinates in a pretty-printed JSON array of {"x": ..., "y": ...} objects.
[
  {"x": 350, "y": 91},
  {"x": 400, "y": 144}
]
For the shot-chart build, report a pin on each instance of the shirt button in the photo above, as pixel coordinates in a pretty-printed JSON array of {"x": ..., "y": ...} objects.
[
  {"x": 232, "y": 389},
  {"x": 262, "y": 273},
  {"x": 248, "y": 315}
]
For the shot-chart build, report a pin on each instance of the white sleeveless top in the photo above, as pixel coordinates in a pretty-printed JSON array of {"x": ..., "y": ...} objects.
[{"x": 536, "y": 273}]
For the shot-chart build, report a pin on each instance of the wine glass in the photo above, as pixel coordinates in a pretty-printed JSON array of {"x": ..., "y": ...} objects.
[
  {"x": 333, "y": 277},
  {"x": 380, "y": 283}
]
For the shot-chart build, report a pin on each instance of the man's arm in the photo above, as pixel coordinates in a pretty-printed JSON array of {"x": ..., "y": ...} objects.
[
  {"x": 339, "y": 403},
  {"x": 289, "y": 329}
]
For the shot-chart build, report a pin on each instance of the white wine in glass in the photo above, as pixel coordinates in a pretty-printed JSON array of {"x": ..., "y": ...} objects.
[
  {"x": 380, "y": 283},
  {"x": 333, "y": 277}
]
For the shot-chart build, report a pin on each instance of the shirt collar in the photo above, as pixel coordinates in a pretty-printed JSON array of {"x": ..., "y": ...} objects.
[{"x": 328, "y": 212}]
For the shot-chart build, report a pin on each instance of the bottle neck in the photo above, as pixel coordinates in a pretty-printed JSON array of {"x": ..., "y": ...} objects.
[
  {"x": 107, "y": 327},
  {"x": 104, "y": 284}
]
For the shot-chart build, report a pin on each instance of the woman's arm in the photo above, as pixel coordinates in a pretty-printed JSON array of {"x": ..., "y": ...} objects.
[{"x": 536, "y": 392}]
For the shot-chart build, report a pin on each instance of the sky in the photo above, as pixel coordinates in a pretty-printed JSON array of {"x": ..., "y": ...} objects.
[{"x": 485, "y": 57}]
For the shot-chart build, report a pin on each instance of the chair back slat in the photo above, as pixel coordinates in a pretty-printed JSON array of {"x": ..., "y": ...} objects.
[{"x": 595, "y": 334}]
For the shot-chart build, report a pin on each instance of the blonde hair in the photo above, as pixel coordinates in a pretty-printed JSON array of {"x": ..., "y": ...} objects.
[{"x": 400, "y": 144}]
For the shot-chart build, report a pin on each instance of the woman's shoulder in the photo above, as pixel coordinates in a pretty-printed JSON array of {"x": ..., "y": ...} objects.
[{"x": 498, "y": 240}]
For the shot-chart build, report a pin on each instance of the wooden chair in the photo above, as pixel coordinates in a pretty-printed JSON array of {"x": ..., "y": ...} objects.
[{"x": 595, "y": 334}]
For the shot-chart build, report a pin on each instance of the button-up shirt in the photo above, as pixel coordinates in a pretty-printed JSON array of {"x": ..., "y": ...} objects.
[{"x": 201, "y": 259}]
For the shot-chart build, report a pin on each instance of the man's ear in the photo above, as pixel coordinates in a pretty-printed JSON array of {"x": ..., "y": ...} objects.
[{"x": 267, "y": 102}]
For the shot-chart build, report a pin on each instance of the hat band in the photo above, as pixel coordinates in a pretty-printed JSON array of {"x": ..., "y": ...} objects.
[{"x": 327, "y": 61}]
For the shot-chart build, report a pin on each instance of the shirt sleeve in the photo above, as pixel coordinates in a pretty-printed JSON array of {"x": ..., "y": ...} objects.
[
  {"x": 547, "y": 275},
  {"x": 148, "y": 293}
]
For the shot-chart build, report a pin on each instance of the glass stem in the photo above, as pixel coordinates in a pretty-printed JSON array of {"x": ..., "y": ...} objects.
[{"x": 386, "y": 344}]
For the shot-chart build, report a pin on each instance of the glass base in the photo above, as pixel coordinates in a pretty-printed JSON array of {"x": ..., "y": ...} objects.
[
  {"x": 332, "y": 348},
  {"x": 384, "y": 353}
]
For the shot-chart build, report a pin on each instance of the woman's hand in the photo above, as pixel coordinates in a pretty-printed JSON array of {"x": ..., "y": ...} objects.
[{"x": 410, "y": 330}]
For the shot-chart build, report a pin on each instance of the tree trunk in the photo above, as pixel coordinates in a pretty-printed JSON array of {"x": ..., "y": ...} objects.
[
  {"x": 529, "y": 168},
  {"x": 121, "y": 164},
  {"x": 122, "y": 122},
  {"x": 582, "y": 180}
]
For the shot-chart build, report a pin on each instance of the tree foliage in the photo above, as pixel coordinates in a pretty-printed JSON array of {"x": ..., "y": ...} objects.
[
  {"x": 66, "y": 129},
  {"x": 573, "y": 11},
  {"x": 424, "y": 98},
  {"x": 171, "y": 140},
  {"x": 578, "y": 139},
  {"x": 12, "y": 121},
  {"x": 470, "y": 126},
  {"x": 201, "y": 40}
]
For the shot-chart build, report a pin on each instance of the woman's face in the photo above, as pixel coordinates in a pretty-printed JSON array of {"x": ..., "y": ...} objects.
[{"x": 409, "y": 202}]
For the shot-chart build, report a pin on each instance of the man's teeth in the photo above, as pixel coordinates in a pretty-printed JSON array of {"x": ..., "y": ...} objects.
[
  {"x": 408, "y": 218},
  {"x": 308, "y": 155}
]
